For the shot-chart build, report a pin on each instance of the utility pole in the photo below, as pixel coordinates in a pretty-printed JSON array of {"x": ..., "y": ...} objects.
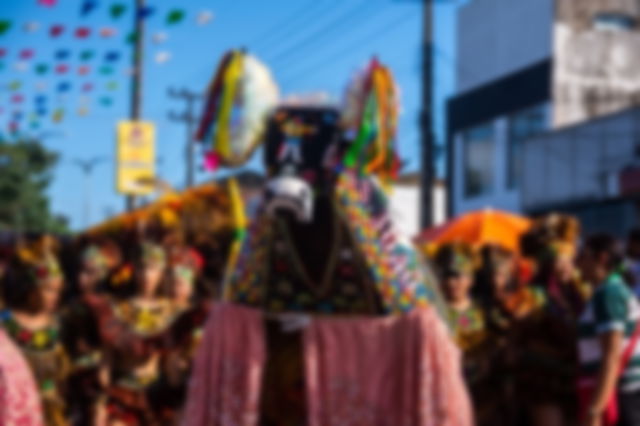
[
  {"x": 190, "y": 118},
  {"x": 136, "y": 75},
  {"x": 87, "y": 166},
  {"x": 426, "y": 119}
]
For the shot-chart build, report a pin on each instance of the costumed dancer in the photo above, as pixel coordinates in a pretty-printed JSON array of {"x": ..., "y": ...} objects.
[
  {"x": 19, "y": 398},
  {"x": 135, "y": 334},
  {"x": 456, "y": 265},
  {"x": 548, "y": 353},
  {"x": 35, "y": 282},
  {"x": 81, "y": 337},
  {"x": 327, "y": 315},
  {"x": 169, "y": 392}
]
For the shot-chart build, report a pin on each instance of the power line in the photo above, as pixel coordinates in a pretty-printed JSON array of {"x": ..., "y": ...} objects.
[
  {"x": 298, "y": 18},
  {"x": 326, "y": 29},
  {"x": 379, "y": 32},
  {"x": 190, "y": 118}
]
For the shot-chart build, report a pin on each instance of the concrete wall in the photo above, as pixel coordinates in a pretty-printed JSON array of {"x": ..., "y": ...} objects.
[
  {"x": 580, "y": 163},
  {"x": 498, "y": 37}
]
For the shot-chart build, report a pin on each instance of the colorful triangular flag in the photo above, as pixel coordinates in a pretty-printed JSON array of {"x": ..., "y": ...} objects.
[
  {"x": 88, "y": 6},
  {"x": 204, "y": 17},
  {"x": 48, "y": 3},
  {"x": 5, "y": 25},
  {"x": 21, "y": 66},
  {"x": 58, "y": 115},
  {"x": 106, "y": 70},
  {"x": 83, "y": 70},
  {"x": 160, "y": 37},
  {"x": 87, "y": 87},
  {"x": 145, "y": 12},
  {"x": 106, "y": 101},
  {"x": 56, "y": 30},
  {"x": 17, "y": 98},
  {"x": 175, "y": 16},
  {"x": 31, "y": 27},
  {"x": 62, "y": 54},
  {"x": 83, "y": 32},
  {"x": 112, "y": 56},
  {"x": 15, "y": 85},
  {"x": 64, "y": 87},
  {"x": 26, "y": 54},
  {"x": 62, "y": 69},
  {"x": 163, "y": 57},
  {"x": 3, "y": 52},
  {"x": 112, "y": 86},
  {"x": 42, "y": 68},
  {"x": 86, "y": 55},
  {"x": 107, "y": 32},
  {"x": 117, "y": 10}
]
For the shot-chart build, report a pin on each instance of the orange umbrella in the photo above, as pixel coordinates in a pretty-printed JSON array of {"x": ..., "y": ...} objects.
[{"x": 479, "y": 228}]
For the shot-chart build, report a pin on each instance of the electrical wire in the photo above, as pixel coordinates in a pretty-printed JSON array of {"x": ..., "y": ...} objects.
[
  {"x": 379, "y": 32},
  {"x": 298, "y": 19},
  {"x": 363, "y": 9}
]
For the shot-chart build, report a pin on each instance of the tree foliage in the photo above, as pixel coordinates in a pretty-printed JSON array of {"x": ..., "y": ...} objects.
[{"x": 25, "y": 174}]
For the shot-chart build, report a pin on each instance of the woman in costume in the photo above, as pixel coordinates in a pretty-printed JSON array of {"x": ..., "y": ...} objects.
[
  {"x": 328, "y": 317},
  {"x": 19, "y": 398},
  {"x": 35, "y": 283},
  {"x": 456, "y": 264},
  {"x": 548, "y": 350},
  {"x": 82, "y": 338},
  {"x": 135, "y": 335},
  {"x": 168, "y": 394}
]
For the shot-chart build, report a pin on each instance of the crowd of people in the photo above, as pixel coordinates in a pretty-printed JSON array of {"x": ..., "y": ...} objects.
[
  {"x": 109, "y": 330},
  {"x": 548, "y": 334}
]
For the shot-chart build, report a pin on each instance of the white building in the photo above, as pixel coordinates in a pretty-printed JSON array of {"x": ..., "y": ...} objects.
[{"x": 526, "y": 68}]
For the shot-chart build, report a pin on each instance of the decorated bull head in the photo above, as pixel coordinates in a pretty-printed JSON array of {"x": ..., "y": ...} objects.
[{"x": 326, "y": 164}]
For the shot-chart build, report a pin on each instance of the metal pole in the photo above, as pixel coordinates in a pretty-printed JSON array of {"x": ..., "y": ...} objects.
[
  {"x": 426, "y": 117},
  {"x": 190, "y": 118},
  {"x": 136, "y": 75}
]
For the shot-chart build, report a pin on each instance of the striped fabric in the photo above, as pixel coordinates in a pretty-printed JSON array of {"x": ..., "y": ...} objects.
[{"x": 612, "y": 307}]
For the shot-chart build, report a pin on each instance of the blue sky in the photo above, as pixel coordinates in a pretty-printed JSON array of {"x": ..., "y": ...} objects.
[{"x": 310, "y": 45}]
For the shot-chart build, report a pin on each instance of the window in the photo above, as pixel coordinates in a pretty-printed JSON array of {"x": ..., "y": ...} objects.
[
  {"x": 613, "y": 21},
  {"x": 522, "y": 126},
  {"x": 478, "y": 156}
]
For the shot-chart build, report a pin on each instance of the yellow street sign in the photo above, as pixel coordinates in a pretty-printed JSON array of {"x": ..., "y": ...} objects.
[{"x": 135, "y": 166}]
